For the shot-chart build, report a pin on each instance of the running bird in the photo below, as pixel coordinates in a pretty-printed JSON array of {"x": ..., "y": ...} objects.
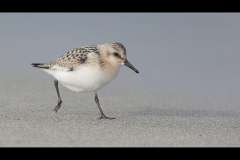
[{"x": 87, "y": 69}]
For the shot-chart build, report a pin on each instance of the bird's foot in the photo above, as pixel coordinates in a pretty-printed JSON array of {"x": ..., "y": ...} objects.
[
  {"x": 58, "y": 106},
  {"x": 105, "y": 117}
]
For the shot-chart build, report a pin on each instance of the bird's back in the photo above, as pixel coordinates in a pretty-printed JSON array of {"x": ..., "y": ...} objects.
[{"x": 70, "y": 59}]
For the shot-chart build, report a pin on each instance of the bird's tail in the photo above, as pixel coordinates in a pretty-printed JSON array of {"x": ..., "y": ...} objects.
[{"x": 39, "y": 65}]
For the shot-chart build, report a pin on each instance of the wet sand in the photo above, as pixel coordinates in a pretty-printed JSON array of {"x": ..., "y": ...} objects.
[{"x": 143, "y": 119}]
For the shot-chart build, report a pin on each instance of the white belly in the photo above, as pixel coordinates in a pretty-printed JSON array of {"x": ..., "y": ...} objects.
[{"x": 85, "y": 79}]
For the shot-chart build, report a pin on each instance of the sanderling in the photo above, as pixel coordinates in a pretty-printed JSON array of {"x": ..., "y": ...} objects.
[{"x": 87, "y": 69}]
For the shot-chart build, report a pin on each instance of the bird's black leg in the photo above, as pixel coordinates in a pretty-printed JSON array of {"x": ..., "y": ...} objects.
[
  {"x": 99, "y": 107},
  {"x": 59, "y": 98}
]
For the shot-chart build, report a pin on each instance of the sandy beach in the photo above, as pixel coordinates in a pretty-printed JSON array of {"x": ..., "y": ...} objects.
[
  {"x": 142, "y": 119},
  {"x": 185, "y": 95}
]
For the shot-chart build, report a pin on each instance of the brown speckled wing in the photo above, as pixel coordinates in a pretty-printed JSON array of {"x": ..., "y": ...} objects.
[{"x": 72, "y": 58}]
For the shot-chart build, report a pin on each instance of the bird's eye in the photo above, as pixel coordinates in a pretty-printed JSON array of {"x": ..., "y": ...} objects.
[{"x": 115, "y": 54}]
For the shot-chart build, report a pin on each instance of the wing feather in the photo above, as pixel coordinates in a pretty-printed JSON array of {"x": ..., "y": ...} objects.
[{"x": 70, "y": 59}]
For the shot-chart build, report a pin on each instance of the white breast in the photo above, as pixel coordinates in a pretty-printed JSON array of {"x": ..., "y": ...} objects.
[{"x": 84, "y": 79}]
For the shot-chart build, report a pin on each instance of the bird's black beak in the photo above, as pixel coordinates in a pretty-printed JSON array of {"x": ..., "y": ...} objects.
[{"x": 128, "y": 64}]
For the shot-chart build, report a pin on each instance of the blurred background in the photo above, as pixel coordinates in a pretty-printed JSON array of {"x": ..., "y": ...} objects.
[{"x": 195, "y": 52}]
